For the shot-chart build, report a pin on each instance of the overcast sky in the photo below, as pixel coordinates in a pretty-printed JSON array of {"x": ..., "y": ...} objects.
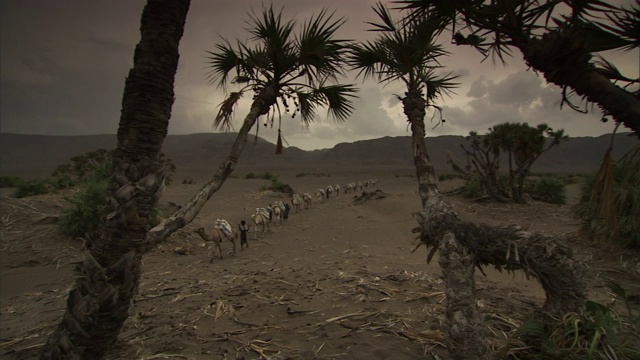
[{"x": 64, "y": 63}]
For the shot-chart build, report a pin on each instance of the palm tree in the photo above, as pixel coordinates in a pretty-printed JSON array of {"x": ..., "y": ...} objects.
[
  {"x": 109, "y": 273},
  {"x": 407, "y": 53},
  {"x": 283, "y": 69},
  {"x": 566, "y": 48}
]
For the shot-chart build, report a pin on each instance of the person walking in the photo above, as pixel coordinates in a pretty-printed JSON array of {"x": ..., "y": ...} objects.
[{"x": 244, "y": 230}]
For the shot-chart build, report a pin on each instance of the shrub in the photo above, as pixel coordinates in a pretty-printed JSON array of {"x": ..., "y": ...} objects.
[
  {"x": 625, "y": 203},
  {"x": 549, "y": 189},
  {"x": 446, "y": 177},
  {"x": 89, "y": 203},
  {"x": 10, "y": 181},
  {"x": 276, "y": 185},
  {"x": 32, "y": 187},
  {"x": 594, "y": 332},
  {"x": 472, "y": 188}
]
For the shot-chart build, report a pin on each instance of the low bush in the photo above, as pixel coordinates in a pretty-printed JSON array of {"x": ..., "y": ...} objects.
[
  {"x": 277, "y": 185},
  {"x": 595, "y": 332},
  {"x": 446, "y": 177},
  {"x": 549, "y": 189},
  {"x": 10, "y": 181},
  {"x": 472, "y": 189},
  {"x": 32, "y": 187},
  {"x": 89, "y": 202},
  {"x": 620, "y": 220}
]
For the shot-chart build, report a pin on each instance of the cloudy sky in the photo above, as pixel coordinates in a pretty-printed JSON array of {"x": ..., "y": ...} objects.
[{"x": 64, "y": 62}]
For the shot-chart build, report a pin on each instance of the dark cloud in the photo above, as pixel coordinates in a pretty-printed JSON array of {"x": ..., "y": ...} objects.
[{"x": 64, "y": 63}]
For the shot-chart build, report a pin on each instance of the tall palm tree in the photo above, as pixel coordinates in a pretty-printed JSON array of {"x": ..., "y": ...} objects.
[
  {"x": 409, "y": 55},
  {"x": 567, "y": 48},
  {"x": 407, "y": 52},
  {"x": 109, "y": 273},
  {"x": 283, "y": 69}
]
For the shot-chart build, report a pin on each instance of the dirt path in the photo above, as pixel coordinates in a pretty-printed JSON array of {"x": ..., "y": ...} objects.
[{"x": 337, "y": 281}]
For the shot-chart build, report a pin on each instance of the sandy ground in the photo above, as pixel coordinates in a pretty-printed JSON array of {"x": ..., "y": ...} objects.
[{"x": 336, "y": 281}]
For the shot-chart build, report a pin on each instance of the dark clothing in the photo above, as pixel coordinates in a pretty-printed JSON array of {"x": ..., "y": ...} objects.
[
  {"x": 285, "y": 214},
  {"x": 244, "y": 229}
]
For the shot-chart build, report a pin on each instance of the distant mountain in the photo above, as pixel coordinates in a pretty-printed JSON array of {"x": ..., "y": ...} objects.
[{"x": 39, "y": 155}]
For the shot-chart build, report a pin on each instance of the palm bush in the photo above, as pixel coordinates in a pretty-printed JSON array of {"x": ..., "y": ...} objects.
[
  {"x": 618, "y": 219},
  {"x": 595, "y": 332}
]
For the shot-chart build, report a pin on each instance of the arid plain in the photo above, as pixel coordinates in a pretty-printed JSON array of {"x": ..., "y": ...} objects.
[{"x": 336, "y": 281}]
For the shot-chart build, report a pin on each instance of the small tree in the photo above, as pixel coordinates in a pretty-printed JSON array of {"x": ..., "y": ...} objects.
[{"x": 522, "y": 144}]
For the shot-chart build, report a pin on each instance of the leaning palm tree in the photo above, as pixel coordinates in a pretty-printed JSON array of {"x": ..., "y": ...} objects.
[
  {"x": 566, "y": 41},
  {"x": 297, "y": 72},
  {"x": 408, "y": 53}
]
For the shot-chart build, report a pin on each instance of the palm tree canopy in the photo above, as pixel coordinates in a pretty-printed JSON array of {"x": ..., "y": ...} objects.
[
  {"x": 403, "y": 53},
  {"x": 302, "y": 68},
  {"x": 495, "y": 25}
]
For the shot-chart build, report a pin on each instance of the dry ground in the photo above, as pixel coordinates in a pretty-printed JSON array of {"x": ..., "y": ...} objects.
[{"x": 337, "y": 281}]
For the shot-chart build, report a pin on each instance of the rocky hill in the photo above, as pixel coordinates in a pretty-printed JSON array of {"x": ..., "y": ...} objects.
[{"x": 39, "y": 155}]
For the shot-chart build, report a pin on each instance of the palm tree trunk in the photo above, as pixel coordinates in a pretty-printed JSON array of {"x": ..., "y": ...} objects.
[
  {"x": 188, "y": 212},
  {"x": 465, "y": 337},
  {"x": 414, "y": 107},
  {"x": 109, "y": 273},
  {"x": 565, "y": 61}
]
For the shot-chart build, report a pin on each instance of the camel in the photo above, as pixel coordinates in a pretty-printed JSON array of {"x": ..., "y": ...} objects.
[
  {"x": 329, "y": 191},
  {"x": 321, "y": 194},
  {"x": 296, "y": 201},
  {"x": 307, "y": 200},
  {"x": 260, "y": 218},
  {"x": 276, "y": 213},
  {"x": 217, "y": 236},
  {"x": 337, "y": 189}
]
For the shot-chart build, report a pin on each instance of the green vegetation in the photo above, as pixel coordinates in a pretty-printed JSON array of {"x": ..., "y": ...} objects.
[
  {"x": 548, "y": 189},
  {"x": 618, "y": 219},
  {"x": 472, "y": 189},
  {"x": 446, "y": 177},
  {"x": 298, "y": 175},
  {"x": 276, "y": 185},
  {"x": 264, "y": 176},
  {"x": 89, "y": 203},
  {"x": 594, "y": 332},
  {"x": 520, "y": 143},
  {"x": 10, "y": 181},
  {"x": 39, "y": 186}
]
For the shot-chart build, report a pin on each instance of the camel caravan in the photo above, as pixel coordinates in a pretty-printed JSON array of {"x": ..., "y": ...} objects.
[{"x": 278, "y": 212}]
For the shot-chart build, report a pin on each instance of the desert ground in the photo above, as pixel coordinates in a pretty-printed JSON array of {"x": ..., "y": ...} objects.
[{"x": 336, "y": 281}]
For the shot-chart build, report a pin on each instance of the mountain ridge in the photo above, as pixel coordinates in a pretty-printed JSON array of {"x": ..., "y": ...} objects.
[{"x": 39, "y": 155}]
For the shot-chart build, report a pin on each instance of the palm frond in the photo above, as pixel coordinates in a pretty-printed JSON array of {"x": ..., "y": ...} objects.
[
  {"x": 269, "y": 29},
  {"x": 307, "y": 105},
  {"x": 626, "y": 24},
  {"x": 337, "y": 98},
  {"x": 222, "y": 63},
  {"x": 320, "y": 54},
  {"x": 227, "y": 106},
  {"x": 385, "y": 16}
]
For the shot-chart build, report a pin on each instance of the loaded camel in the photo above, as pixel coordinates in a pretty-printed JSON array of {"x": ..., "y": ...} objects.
[
  {"x": 217, "y": 235},
  {"x": 260, "y": 218},
  {"x": 276, "y": 213},
  {"x": 296, "y": 201},
  {"x": 307, "y": 200}
]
